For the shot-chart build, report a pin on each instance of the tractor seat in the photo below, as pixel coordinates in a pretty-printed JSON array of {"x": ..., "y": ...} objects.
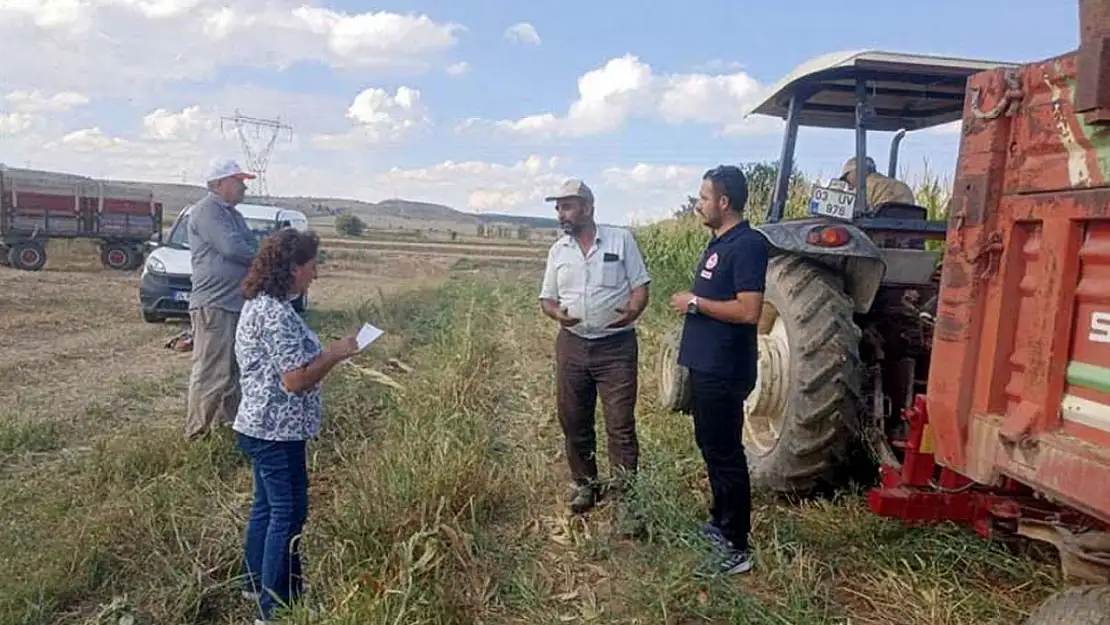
[{"x": 899, "y": 210}]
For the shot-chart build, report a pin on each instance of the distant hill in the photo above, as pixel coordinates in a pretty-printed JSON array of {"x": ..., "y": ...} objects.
[{"x": 395, "y": 212}]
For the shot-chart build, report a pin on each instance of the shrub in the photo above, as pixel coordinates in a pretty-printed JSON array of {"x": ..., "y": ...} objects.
[{"x": 349, "y": 225}]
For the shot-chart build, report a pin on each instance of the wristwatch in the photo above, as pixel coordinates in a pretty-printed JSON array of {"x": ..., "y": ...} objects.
[{"x": 692, "y": 306}]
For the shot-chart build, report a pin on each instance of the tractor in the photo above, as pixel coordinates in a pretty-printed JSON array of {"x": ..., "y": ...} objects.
[
  {"x": 967, "y": 359},
  {"x": 844, "y": 337}
]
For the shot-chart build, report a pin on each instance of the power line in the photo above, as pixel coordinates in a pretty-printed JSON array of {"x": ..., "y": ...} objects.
[{"x": 258, "y": 158}]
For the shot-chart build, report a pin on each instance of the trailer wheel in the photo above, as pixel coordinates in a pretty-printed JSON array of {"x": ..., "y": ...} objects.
[
  {"x": 27, "y": 255},
  {"x": 800, "y": 418},
  {"x": 1078, "y": 605},
  {"x": 119, "y": 257}
]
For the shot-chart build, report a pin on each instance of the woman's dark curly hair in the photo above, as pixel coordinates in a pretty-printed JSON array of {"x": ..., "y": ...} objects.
[{"x": 280, "y": 252}]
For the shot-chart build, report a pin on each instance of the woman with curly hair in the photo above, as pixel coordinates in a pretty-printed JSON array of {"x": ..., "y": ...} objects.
[{"x": 281, "y": 363}]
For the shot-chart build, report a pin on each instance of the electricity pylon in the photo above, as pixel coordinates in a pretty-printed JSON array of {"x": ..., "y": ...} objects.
[{"x": 266, "y": 131}]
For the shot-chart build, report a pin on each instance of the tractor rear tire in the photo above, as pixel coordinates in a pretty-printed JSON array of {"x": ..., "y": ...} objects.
[
  {"x": 1078, "y": 605},
  {"x": 800, "y": 421}
]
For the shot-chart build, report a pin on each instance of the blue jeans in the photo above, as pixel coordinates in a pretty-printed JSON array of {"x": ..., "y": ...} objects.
[{"x": 272, "y": 545}]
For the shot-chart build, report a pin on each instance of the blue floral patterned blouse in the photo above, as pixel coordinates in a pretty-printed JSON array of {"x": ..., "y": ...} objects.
[{"x": 272, "y": 338}]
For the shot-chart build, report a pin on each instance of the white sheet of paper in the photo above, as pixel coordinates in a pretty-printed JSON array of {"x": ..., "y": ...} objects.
[{"x": 367, "y": 334}]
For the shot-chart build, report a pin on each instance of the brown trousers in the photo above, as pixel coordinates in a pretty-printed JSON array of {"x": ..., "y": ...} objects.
[
  {"x": 214, "y": 383},
  {"x": 583, "y": 369}
]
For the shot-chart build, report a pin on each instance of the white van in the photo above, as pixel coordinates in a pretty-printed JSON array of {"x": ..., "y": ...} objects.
[{"x": 167, "y": 275}]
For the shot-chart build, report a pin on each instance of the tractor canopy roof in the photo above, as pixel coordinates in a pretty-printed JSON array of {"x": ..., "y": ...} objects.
[{"x": 904, "y": 91}]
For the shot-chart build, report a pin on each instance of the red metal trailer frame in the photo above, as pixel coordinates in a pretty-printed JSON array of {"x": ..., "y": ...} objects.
[
  {"x": 1013, "y": 435},
  {"x": 36, "y": 206}
]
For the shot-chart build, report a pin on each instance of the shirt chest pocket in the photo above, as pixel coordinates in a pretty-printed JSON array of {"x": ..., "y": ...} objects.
[{"x": 612, "y": 274}]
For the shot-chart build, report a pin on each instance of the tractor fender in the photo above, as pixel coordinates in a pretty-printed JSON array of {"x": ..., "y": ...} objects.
[{"x": 859, "y": 260}]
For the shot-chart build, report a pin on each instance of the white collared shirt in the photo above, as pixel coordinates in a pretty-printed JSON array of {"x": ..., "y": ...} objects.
[{"x": 591, "y": 286}]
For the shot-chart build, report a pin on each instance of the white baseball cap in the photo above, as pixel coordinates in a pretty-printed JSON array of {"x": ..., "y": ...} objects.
[{"x": 220, "y": 169}]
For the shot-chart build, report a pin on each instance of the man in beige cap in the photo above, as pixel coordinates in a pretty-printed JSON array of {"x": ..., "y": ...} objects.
[
  {"x": 595, "y": 286},
  {"x": 880, "y": 188},
  {"x": 222, "y": 248}
]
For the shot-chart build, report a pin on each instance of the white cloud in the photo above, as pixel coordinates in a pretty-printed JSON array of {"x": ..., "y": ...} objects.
[
  {"x": 14, "y": 123},
  {"x": 39, "y": 102},
  {"x": 105, "y": 45},
  {"x": 164, "y": 146},
  {"x": 188, "y": 124},
  {"x": 718, "y": 65},
  {"x": 379, "y": 118},
  {"x": 171, "y": 145},
  {"x": 671, "y": 177},
  {"x": 659, "y": 189},
  {"x": 478, "y": 185},
  {"x": 458, "y": 69},
  {"x": 627, "y": 87},
  {"x": 22, "y": 110},
  {"x": 523, "y": 32},
  {"x": 89, "y": 140},
  {"x": 641, "y": 192}
]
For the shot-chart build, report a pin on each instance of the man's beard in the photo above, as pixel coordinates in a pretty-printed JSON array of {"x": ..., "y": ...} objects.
[{"x": 569, "y": 227}]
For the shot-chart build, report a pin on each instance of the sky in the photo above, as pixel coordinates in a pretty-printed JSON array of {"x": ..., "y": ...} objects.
[{"x": 483, "y": 105}]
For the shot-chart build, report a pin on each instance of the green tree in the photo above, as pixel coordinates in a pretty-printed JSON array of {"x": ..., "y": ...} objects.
[
  {"x": 349, "y": 225},
  {"x": 688, "y": 207}
]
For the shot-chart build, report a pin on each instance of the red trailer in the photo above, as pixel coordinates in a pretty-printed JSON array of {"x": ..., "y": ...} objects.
[
  {"x": 36, "y": 206},
  {"x": 1013, "y": 432},
  {"x": 982, "y": 390}
]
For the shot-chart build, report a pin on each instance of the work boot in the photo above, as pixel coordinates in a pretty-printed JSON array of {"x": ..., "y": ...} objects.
[{"x": 583, "y": 497}]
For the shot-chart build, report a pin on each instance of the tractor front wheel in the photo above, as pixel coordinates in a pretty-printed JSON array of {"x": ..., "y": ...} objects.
[{"x": 674, "y": 379}]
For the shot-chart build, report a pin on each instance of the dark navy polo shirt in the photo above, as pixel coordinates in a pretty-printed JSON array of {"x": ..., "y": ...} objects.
[{"x": 733, "y": 262}]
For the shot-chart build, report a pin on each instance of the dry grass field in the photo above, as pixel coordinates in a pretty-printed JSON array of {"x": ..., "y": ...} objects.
[{"x": 438, "y": 502}]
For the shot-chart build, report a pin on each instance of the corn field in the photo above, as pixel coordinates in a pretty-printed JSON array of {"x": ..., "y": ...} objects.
[{"x": 672, "y": 247}]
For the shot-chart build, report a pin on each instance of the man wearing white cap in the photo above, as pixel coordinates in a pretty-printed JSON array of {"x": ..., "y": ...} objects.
[
  {"x": 222, "y": 247},
  {"x": 595, "y": 286}
]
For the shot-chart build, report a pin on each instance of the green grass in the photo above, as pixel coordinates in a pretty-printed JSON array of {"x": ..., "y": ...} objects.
[
  {"x": 18, "y": 437},
  {"x": 444, "y": 502}
]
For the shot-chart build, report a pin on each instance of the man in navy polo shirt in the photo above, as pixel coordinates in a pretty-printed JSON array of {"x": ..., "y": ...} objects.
[{"x": 719, "y": 349}]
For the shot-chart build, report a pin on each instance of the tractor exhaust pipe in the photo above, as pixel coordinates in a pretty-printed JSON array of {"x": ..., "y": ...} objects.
[{"x": 1092, "y": 90}]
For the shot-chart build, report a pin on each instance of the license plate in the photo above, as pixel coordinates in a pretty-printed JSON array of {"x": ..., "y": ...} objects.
[
  {"x": 832, "y": 203},
  {"x": 181, "y": 296}
]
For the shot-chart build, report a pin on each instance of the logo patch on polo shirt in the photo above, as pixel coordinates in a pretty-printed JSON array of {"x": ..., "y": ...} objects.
[
  {"x": 712, "y": 261},
  {"x": 708, "y": 275}
]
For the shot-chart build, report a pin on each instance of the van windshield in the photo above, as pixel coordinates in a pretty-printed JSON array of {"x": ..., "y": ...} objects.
[{"x": 179, "y": 236}]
